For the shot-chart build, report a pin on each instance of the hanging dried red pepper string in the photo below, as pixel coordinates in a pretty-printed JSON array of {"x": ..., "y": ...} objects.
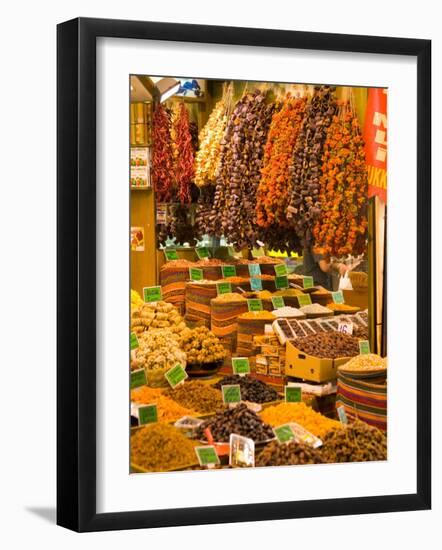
[
  {"x": 184, "y": 164},
  {"x": 162, "y": 156}
]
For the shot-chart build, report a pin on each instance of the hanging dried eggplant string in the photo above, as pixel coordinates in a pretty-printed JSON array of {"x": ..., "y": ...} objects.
[
  {"x": 304, "y": 206},
  {"x": 184, "y": 160},
  {"x": 342, "y": 227},
  {"x": 162, "y": 156}
]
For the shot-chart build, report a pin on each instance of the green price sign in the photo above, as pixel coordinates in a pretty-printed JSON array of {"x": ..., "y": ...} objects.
[
  {"x": 254, "y": 304},
  {"x": 280, "y": 270},
  {"x": 176, "y": 375},
  {"x": 206, "y": 455},
  {"x": 292, "y": 394},
  {"x": 152, "y": 294},
  {"x": 228, "y": 270},
  {"x": 304, "y": 300},
  {"x": 223, "y": 288},
  {"x": 281, "y": 281},
  {"x": 284, "y": 433},
  {"x": 240, "y": 365},
  {"x": 170, "y": 254},
  {"x": 338, "y": 297},
  {"x": 308, "y": 282},
  {"x": 148, "y": 414},
  {"x": 255, "y": 283},
  {"x": 133, "y": 341},
  {"x": 137, "y": 378},
  {"x": 254, "y": 269},
  {"x": 195, "y": 274},
  {"x": 364, "y": 347},
  {"x": 231, "y": 393},
  {"x": 278, "y": 301},
  {"x": 202, "y": 253},
  {"x": 342, "y": 416}
]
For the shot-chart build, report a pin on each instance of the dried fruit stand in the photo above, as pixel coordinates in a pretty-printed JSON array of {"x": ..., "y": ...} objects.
[{"x": 229, "y": 339}]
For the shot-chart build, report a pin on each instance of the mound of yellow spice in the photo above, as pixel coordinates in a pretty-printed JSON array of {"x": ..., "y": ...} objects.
[
  {"x": 160, "y": 448},
  {"x": 300, "y": 413}
]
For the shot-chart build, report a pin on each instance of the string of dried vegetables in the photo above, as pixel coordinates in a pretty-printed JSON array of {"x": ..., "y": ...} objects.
[
  {"x": 342, "y": 227},
  {"x": 184, "y": 161},
  {"x": 304, "y": 205},
  {"x": 162, "y": 156}
]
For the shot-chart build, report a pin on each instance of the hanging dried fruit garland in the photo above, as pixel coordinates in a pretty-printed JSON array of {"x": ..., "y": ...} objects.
[
  {"x": 162, "y": 156},
  {"x": 304, "y": 206},
  {"x": 242, "y": 151},
  {"x": 184, "y": 161},
  {"x": 342, "y": 227}
]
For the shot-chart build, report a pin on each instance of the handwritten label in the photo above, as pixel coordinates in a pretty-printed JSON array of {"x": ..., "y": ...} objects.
[
  {"x": 284, "y": 433},
  {"x": 137, "y": 378},
  {"x": 364, "y": 347},
  {"x": 170, "y": 254},
  {"x": 207, "y": 455},
  {"x": 133, "y": 341},
  {"x": 231, "y": 393},
  {"x": 304, "y": 300},
  {"x": 240, "y": 365},
  {"x": 338, "y": 297},
  {"x": 345, "y": 328},
  {"x": 228, "y": 270},
  {"x": 202, "y": 253},
  {"x": 280, "y": 270},
  {"x": 255, "y": 283},
  {"x": 254, "y": 269},
  {"x": 278, "y": 301},
  {"x": 281, "y": 281},
  {"x": 176, "y": 375},
  {"x": 148, "y": 414},
  {"x": 254, "y": 304},
  {"x": 152, "y": 294},
  {"x": 342, "y": 416},
  {"x": 307, "y": 282},
  {"x": 195, "y": 274},
  {"x": 223, "y": 288},
  {"x": 292, "y": 394}
]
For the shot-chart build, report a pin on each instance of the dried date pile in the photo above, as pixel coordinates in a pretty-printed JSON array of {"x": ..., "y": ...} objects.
[
  {"x": 329, "y": 345},
  {"x": 288, "y": 454},
  {"x": 252, "y": 389}
]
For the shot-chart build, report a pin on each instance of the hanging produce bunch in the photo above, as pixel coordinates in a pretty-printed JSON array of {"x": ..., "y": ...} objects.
[
  {"x": 242, "y": 151},
  {"x": 273, "y": 195},
  {"x": 208, "y": 155},
  {"x": 343, "y": 224},
  {"x": 203, "y": 211},
  {"x": 184, "y": 160},
  {"x": 162, "y": 156},
  {"x": 179, "y": 225},
  {"x": 304, "y": 206}
]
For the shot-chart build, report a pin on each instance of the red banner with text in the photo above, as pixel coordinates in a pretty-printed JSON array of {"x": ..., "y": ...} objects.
[{"x": 375, "y": 137}]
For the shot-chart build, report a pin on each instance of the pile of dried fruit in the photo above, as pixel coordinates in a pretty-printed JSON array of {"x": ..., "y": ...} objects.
[
  {"x": 356, "y": 442},
  {"x": 238, "y": 420},
  {"x": 201, "y": 346},
  {"x": 329, "y": 345},
  {"x": 162, "y": 172},
  {"x": 288, "y": 454},
  {"x": 252, "y": 389},
  {"x": 197, "y": 396},
  {"x": 342, "y": 226},
  {"x": 160, "y": 447},
  {"x": 167, "y": 409},
  {"x": 184, "y": 160}
]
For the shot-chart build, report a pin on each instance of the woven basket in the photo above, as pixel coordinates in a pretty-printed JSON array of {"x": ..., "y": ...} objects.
[
  {"x": 247, "y": 329},
  {"x": 223, "y": 323},
  {"x": 197, "y": 302},
  {"x": 173, "y": 285}
]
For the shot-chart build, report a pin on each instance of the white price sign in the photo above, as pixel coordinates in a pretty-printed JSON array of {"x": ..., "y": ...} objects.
[{"x": 345, "y": 328}]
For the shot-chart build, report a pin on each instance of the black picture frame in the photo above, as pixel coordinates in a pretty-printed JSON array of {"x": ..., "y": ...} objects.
[{"x": 76, "y": 273}]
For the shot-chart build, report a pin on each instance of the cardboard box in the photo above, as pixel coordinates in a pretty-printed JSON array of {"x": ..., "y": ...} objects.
[{"x": 301, "y": 365}]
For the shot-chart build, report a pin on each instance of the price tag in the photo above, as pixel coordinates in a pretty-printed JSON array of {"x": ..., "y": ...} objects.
[
  {"x": 254, "y": 269},
  {"x": 176, "y": 375},
  {"x": 364, "y": 347},
  {"x": 342, "y": 416},
  {"x": 240, "y": 365},
  {"x": 195, "y": 274},
  {"x": 231, "y": 393},
  {"x": 281, "y": 281},
  {"x": 148, "y": 414},
  {"x": 137, "y": 378},
  {"x": 345, "y": 328},
  {"x": 207, "y": 455},
  {"x": 254, "y": 304},
  {"x": 292, "y": 394},
  {"x": 161, "y": 214},
  {"x": 304, "y": 300},
  {"x": 280, "y": 270},
  {"x": 255, "y": 283},
  {"x": 242, "y": 451},
  {"x": 223, "y": 288},
  {"x": 202, "y": 253},
  {"x": 278, "y": 301},
  {"x": 284, "y": 433},
  {"x": 307, "y": 282},
  {"x": 170, "y": 254},
  {"x": 338, "y": 297},
  {"x": 152, "y": 294},
  {"x": 228, "y": 270},
  {"x": 133, "y": 341}
]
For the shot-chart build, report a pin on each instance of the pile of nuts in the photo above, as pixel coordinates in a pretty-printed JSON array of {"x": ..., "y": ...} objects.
[
  {"x": 329, "y": 345},
  {"x": 252, "y": 389}
]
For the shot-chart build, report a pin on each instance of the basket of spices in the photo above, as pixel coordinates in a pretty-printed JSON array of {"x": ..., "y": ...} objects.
[
  {"x": 198, "y": 297},
  {"x": 173, "y": 277},
  {"x": 225, "y": 310},
  {"x": 250, "y": 324},
  {"x": 267, "y": 264}
]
